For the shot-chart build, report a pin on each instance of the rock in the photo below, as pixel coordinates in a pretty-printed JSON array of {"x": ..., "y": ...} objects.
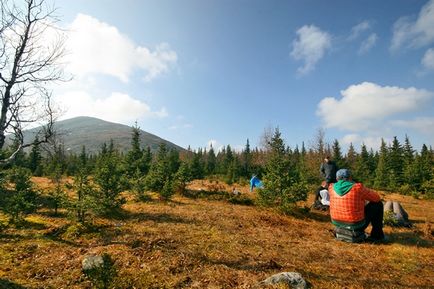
[
  {"x": 92, "y": 262},
  {"x": 293, "y": 279},
  {"x": 235, "y": 192}
]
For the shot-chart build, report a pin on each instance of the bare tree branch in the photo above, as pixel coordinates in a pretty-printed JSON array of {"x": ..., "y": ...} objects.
[{"x": 28, "y": 64}]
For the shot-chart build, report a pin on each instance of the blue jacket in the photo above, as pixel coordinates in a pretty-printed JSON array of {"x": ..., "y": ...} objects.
[{"x": 255, "y": 182}]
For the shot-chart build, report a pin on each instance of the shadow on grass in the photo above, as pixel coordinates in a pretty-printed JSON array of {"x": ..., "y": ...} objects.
[
  {"x": 6, "y": 284},
  {"x": 122, "y": 214},
  {"x": 62, "y": 234},
  {"x": 209, "y": 195},
  {"x": 241, "y": 200},
  {"x": 51, "y": 214},
  {"x": 305, "y": 213},
  {"x": 219, "y": 196},
  {"x": 418, "y": 221},
  {"x": 242, "y": 264},
  {"x": 56, "y": 236},
  {"x": 29, "y": 225},
  {"x": 359, "y": 281},
  {"x": 319, "y": 216},
  {"x": 410, "y": 239},
  {"x": 8, "y": 238}
]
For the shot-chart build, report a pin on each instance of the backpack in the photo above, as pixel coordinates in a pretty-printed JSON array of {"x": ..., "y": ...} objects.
[{"x": 350, "y": 236}]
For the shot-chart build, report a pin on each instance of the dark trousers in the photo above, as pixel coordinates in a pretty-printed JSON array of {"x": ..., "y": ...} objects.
[{"x": 374, "y": 216}]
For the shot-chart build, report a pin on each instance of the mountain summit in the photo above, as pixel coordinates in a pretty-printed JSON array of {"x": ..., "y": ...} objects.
[{"x": 92, "y": 132}]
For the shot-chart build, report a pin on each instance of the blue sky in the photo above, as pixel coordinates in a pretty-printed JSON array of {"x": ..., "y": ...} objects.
[{"x": 201, "y": 72}]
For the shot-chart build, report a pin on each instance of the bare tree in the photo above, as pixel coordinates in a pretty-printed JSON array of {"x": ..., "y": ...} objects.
[
  {"x": 31, "y": 48},
  {"x": 319, "y": 144},
  {"x": 266, "y": 136}
]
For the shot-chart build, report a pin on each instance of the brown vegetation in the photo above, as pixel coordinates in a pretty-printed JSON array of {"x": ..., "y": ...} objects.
[{"x": 204, "y": 241}]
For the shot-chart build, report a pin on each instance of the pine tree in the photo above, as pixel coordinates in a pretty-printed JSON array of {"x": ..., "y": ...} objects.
[
  {"x": 57, "y": 196},
  {"x": 135, "y": 155},
  {"x": 303, "y": 149},
  {"x": 196, "y": 166},
  {"x": 373, "y": 160},
  {"x": 337, "y": 154},
  {"x": 234, "y": 171},
  {"x": 56, "y": 160},
  {"x": 145, "y": 161},
  {"x": 408, "y": 165},
  {"x": 426, "y": 164},
  {"x": 108, "y": 177},
  {"x": 296, "y": 160},
  {"x": 211, "y": 162},
  {"x": 427, "y": 171},
  {"x": 282, "y": 184},
  {"x": 351, "y": 158},
  {"x": 173, "y": 161},
  {"x": 227, "y": 161},
  {"x": 382, "y": 171},
  {"x": 160, "y": 178},
  {"x": 362, "y": 170},
  {"x": 247, "y": 160},
  {"x": 182, "y": 177},
  {"x": 395, "y": 164},
  {"x": 20, "y": 198},
  {"x": 87, "y": 199},
  {"x": 220, "y": 166},
  {"x": 35, "y": 159}
]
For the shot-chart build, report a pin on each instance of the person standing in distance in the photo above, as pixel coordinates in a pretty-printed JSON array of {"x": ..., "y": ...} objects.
[{"x": 328, "y": 170}]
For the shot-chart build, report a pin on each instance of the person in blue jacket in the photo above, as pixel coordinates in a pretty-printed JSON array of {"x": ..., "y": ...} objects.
[{"x": 255, "y": 182}]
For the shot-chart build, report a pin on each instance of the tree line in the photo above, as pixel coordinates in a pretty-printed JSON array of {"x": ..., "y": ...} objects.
[{"x": 288, "y": 174}]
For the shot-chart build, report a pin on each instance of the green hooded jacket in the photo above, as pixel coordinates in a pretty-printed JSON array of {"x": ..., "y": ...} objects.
[{"x": 342, "y": 187}]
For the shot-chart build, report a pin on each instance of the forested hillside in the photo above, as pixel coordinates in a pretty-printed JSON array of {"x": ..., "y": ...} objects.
[{"x": 73, "y": 134}]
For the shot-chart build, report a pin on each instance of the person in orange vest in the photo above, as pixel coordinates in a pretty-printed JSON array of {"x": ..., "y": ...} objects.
[{"x": 354, "y": 207}]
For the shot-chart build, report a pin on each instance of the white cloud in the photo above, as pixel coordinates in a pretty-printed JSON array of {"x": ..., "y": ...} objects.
[
  {"x": 214, "y": 144},
  {"x": 310, "y": 46},
  {"x": 366, "y": 105},
  {"x": 96, "y": 47},
  {"x": 424, "y": 125},
  {"x": 218, "y": 147},
  {"x": 428, "y": 59},
  {"x": 358, "y": 29},
  {"x": 357, "y": 140},
  {"x": 118, "y": 107},
  {"x": 351, "y": 138},
  {"x": 368, "y": 43},
  {"x": 414, "y": 34}
]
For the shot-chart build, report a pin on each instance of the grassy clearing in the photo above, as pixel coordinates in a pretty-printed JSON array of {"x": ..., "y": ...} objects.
[{"x": 205, "y": 241}]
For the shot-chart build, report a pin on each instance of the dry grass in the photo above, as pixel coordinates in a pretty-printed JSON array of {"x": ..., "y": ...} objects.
[{"x": 203, "y": 241}]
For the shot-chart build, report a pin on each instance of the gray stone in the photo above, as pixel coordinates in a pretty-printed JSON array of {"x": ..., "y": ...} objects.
[
  {"x": 92, "y": 262},
  {"x": 399, "y": 214},
  {"x": 293, "y": 279}
]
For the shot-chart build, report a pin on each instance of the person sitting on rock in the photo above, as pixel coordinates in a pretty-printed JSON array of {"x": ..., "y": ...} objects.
[{"x": 354, "y": 207}]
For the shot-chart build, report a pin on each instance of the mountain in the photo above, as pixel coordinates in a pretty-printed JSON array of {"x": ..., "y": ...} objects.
[{"x": 92, "y": 132}]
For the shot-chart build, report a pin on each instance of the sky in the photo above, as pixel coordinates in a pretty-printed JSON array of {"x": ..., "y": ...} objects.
[{"x": 220, "y": 72}]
